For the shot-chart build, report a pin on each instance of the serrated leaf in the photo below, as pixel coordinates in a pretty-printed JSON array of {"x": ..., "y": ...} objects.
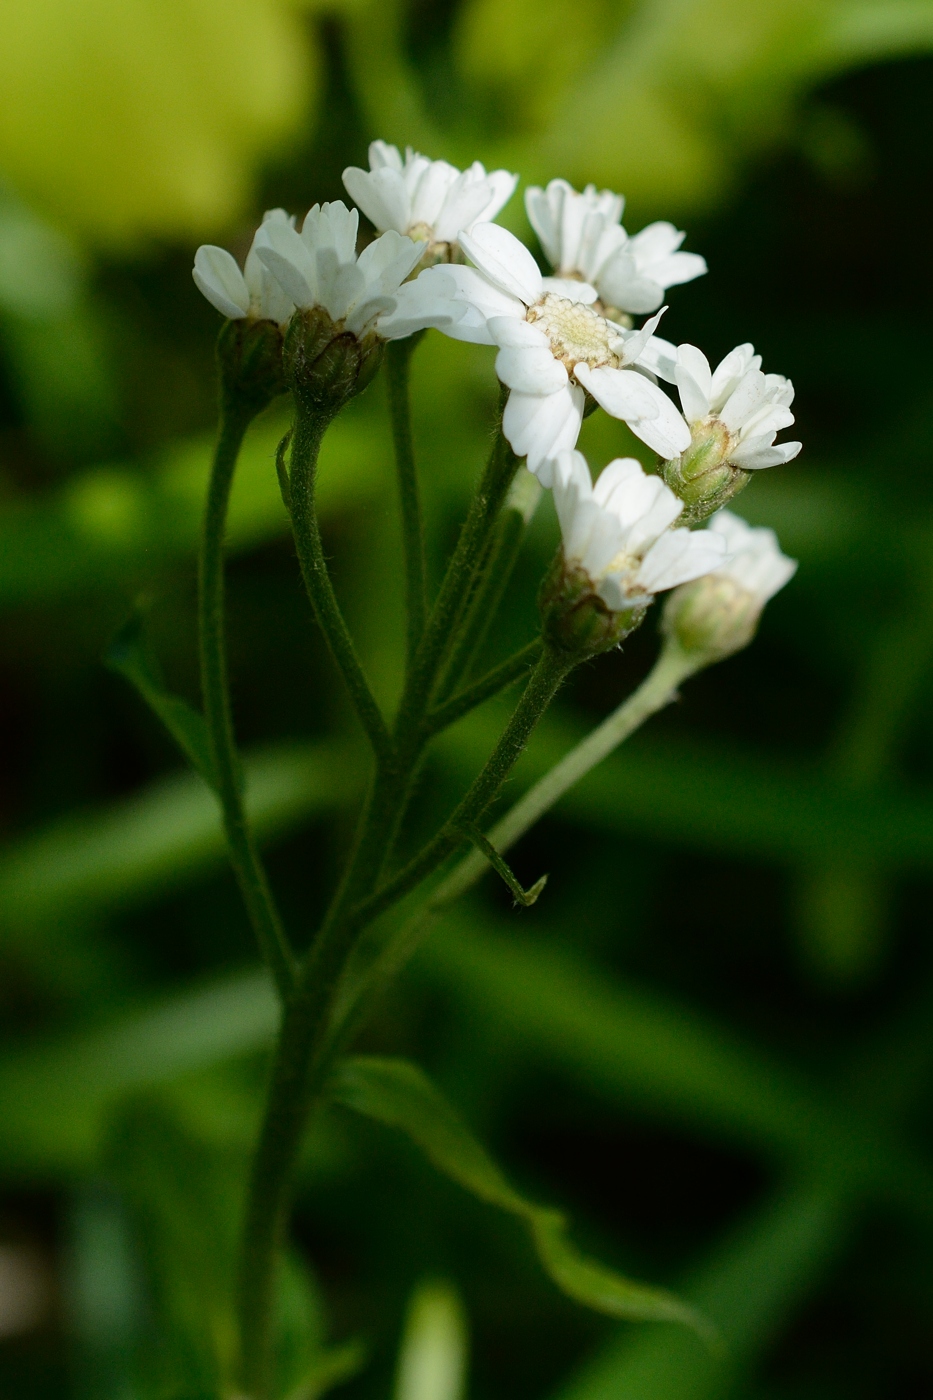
[
  {"x": 128, "y": 656},
  {"x": 399, "y": 1094}
]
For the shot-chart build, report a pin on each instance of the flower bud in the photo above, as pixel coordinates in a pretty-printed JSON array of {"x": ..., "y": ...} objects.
[
  {"x": 703, "y": 477},
  {"x": 325, "y": 364},
  {"x": 249, "y": 357},
  {"x": 717, "y": 615},
  {"x": 575, "y": 619},
  {"x": 711, "y": 618}
]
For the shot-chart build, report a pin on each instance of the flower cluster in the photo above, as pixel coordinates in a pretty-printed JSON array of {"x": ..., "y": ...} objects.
[{"x": 565, "y": 342}]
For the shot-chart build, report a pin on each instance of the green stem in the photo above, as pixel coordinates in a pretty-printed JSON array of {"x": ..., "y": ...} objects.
[
  {"x": 398, "y": 364},
  {"x": 494, "y": 576},
  {"x": 485, "y": 506},
  {"x": 306, "y": 444},
  {"x": 657, "y": 690},
  {"x": 244, "y": 856},
  {"x": 490, "y": 684},
  {"x": 303, "y": 1057},
  {"x": 543, "y": 684}
]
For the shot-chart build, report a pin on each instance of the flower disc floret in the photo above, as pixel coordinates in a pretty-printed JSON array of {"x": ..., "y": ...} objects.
[{"x": 429, "y": 200}]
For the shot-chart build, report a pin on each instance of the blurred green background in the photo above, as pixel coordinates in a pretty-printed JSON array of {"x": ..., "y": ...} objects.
[{"x": 712, "y": 1039}]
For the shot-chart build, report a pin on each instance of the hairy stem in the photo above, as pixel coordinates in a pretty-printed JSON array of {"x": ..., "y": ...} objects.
[
  {"x": 306, "y": 443},
  {"x": 490, "y": 684},
  {"x": 657, "y": 690},
  {"x": 484, "y": 508},
  {"x": 244, "y": 856},
  {"x": 398, "y": 364}
]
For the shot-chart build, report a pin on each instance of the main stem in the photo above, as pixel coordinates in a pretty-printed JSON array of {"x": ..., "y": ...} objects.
[
  {"x": 244, "y": 857},
  {"x": 303, "y": 1054},
  {"x": 398, "y": 364}
]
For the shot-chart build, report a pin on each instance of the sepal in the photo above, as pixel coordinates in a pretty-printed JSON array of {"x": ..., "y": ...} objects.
[
  {"x": 575, "y": 620},
  {"x": 325, "y": 365},
  {"x": 249, "y": 358}
]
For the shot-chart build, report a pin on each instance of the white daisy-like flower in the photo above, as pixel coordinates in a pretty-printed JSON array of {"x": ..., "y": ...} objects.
[
  {"x": 252, "y": 294},
  {"x": 718, "y": 614},
  {"x": 320, "y": 267},
  {"x": 429, "y": 200},
  {"x": 619, "y": 533},
  {"x": 735, "y": 411},
  {"x": 583, "y": 237},
  {"x": 553, "y": 345}
]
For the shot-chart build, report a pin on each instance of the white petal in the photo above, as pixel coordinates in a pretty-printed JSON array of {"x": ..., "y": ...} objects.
[
  {"x": 730, "y": 370},
  {"x": 387, "y": 261},
  {"x": 538, "y": 427},
  {"x": 660, "y": 357},
  {"x": 468, "y": 285},
  {"x": 431, "y": 190},
  {"x": 745, "y": 400},
  {"x": 217, "y": 275},
  {"x": 382, "y": 154},
  {"x": 288, "y": 257},
  {"x": 510, "y": 333},
  {"x": 694, "y": 380},
  {"x": 570, "y": 288},
  {"x": 530, "y": 370},
  {"x": 381, "y": 195},
  {"x": 680, "y": 556},
  {"x": 767, "y": 456},
  {"x": 427, "y": 302},
  {"x": 504, "y": 260},
  {"x": 642, "y": 405},
  {"x": 677, "y": 269}
]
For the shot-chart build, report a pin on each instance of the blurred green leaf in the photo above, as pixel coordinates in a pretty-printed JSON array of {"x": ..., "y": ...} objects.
[
  {"x": 666, "y": 1059},
  {"x": 54, "y": 1100},
  {"x": 128, "y": 656},
  {"x": 432, "y": 1360},
  {"x": 182, "y": 104},
  {"x": 752, "y": 1281},
  {"x": 184, "y": 1201},
  {"x": 153, "y": 843},
  {"x": 399, "y": 1094}
]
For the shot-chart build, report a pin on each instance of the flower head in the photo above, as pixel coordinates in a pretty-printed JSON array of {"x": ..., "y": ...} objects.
[
  {"x": 320, "y": 268},
  {"x": 718, "y": 614},
  {"x": 553, "y": 346},
  {"x": 734, "y": 414},
  {"x": 429, "y": 200},
  {"x": 619, "y": 531},
  {"x": 619, "y": 549},
  {"x": 583, "y": 237},
  {"x": 253, "y": 294}
]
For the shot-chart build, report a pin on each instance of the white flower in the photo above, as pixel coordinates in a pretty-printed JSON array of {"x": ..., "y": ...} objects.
[
  {"x": 252, "y": 293},
  {"x": 755, "y": 561},
  {"x": 320, "y": 267},
  {"x": 737, "y": 405},
  {"x": 618, "y": 531},
  {"x": 552, "y": 346},
  {"x": 718, "y": 614},
  {"x": 429, "y": 200},
  {"x": 582, "y": 237}
]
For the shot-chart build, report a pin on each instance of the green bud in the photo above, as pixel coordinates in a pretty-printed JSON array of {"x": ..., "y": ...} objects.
[
  {"x": 327, "y": 366},
  {"x": 703, "y": 477},
  {"x": 249, "y": 358},
  {"x": 711, "y": 618},
  {"x": 575, "y": 620}
]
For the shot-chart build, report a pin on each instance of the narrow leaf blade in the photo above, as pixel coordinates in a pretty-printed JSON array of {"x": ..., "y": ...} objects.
[{"x": 398, "y": 1094}]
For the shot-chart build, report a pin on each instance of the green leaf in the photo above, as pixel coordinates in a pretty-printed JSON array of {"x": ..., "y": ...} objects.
[
  {"x": 128, "y": 656},
  {"x": 399, "y": 1094},
  {"x": 749, "y": 1284}
]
